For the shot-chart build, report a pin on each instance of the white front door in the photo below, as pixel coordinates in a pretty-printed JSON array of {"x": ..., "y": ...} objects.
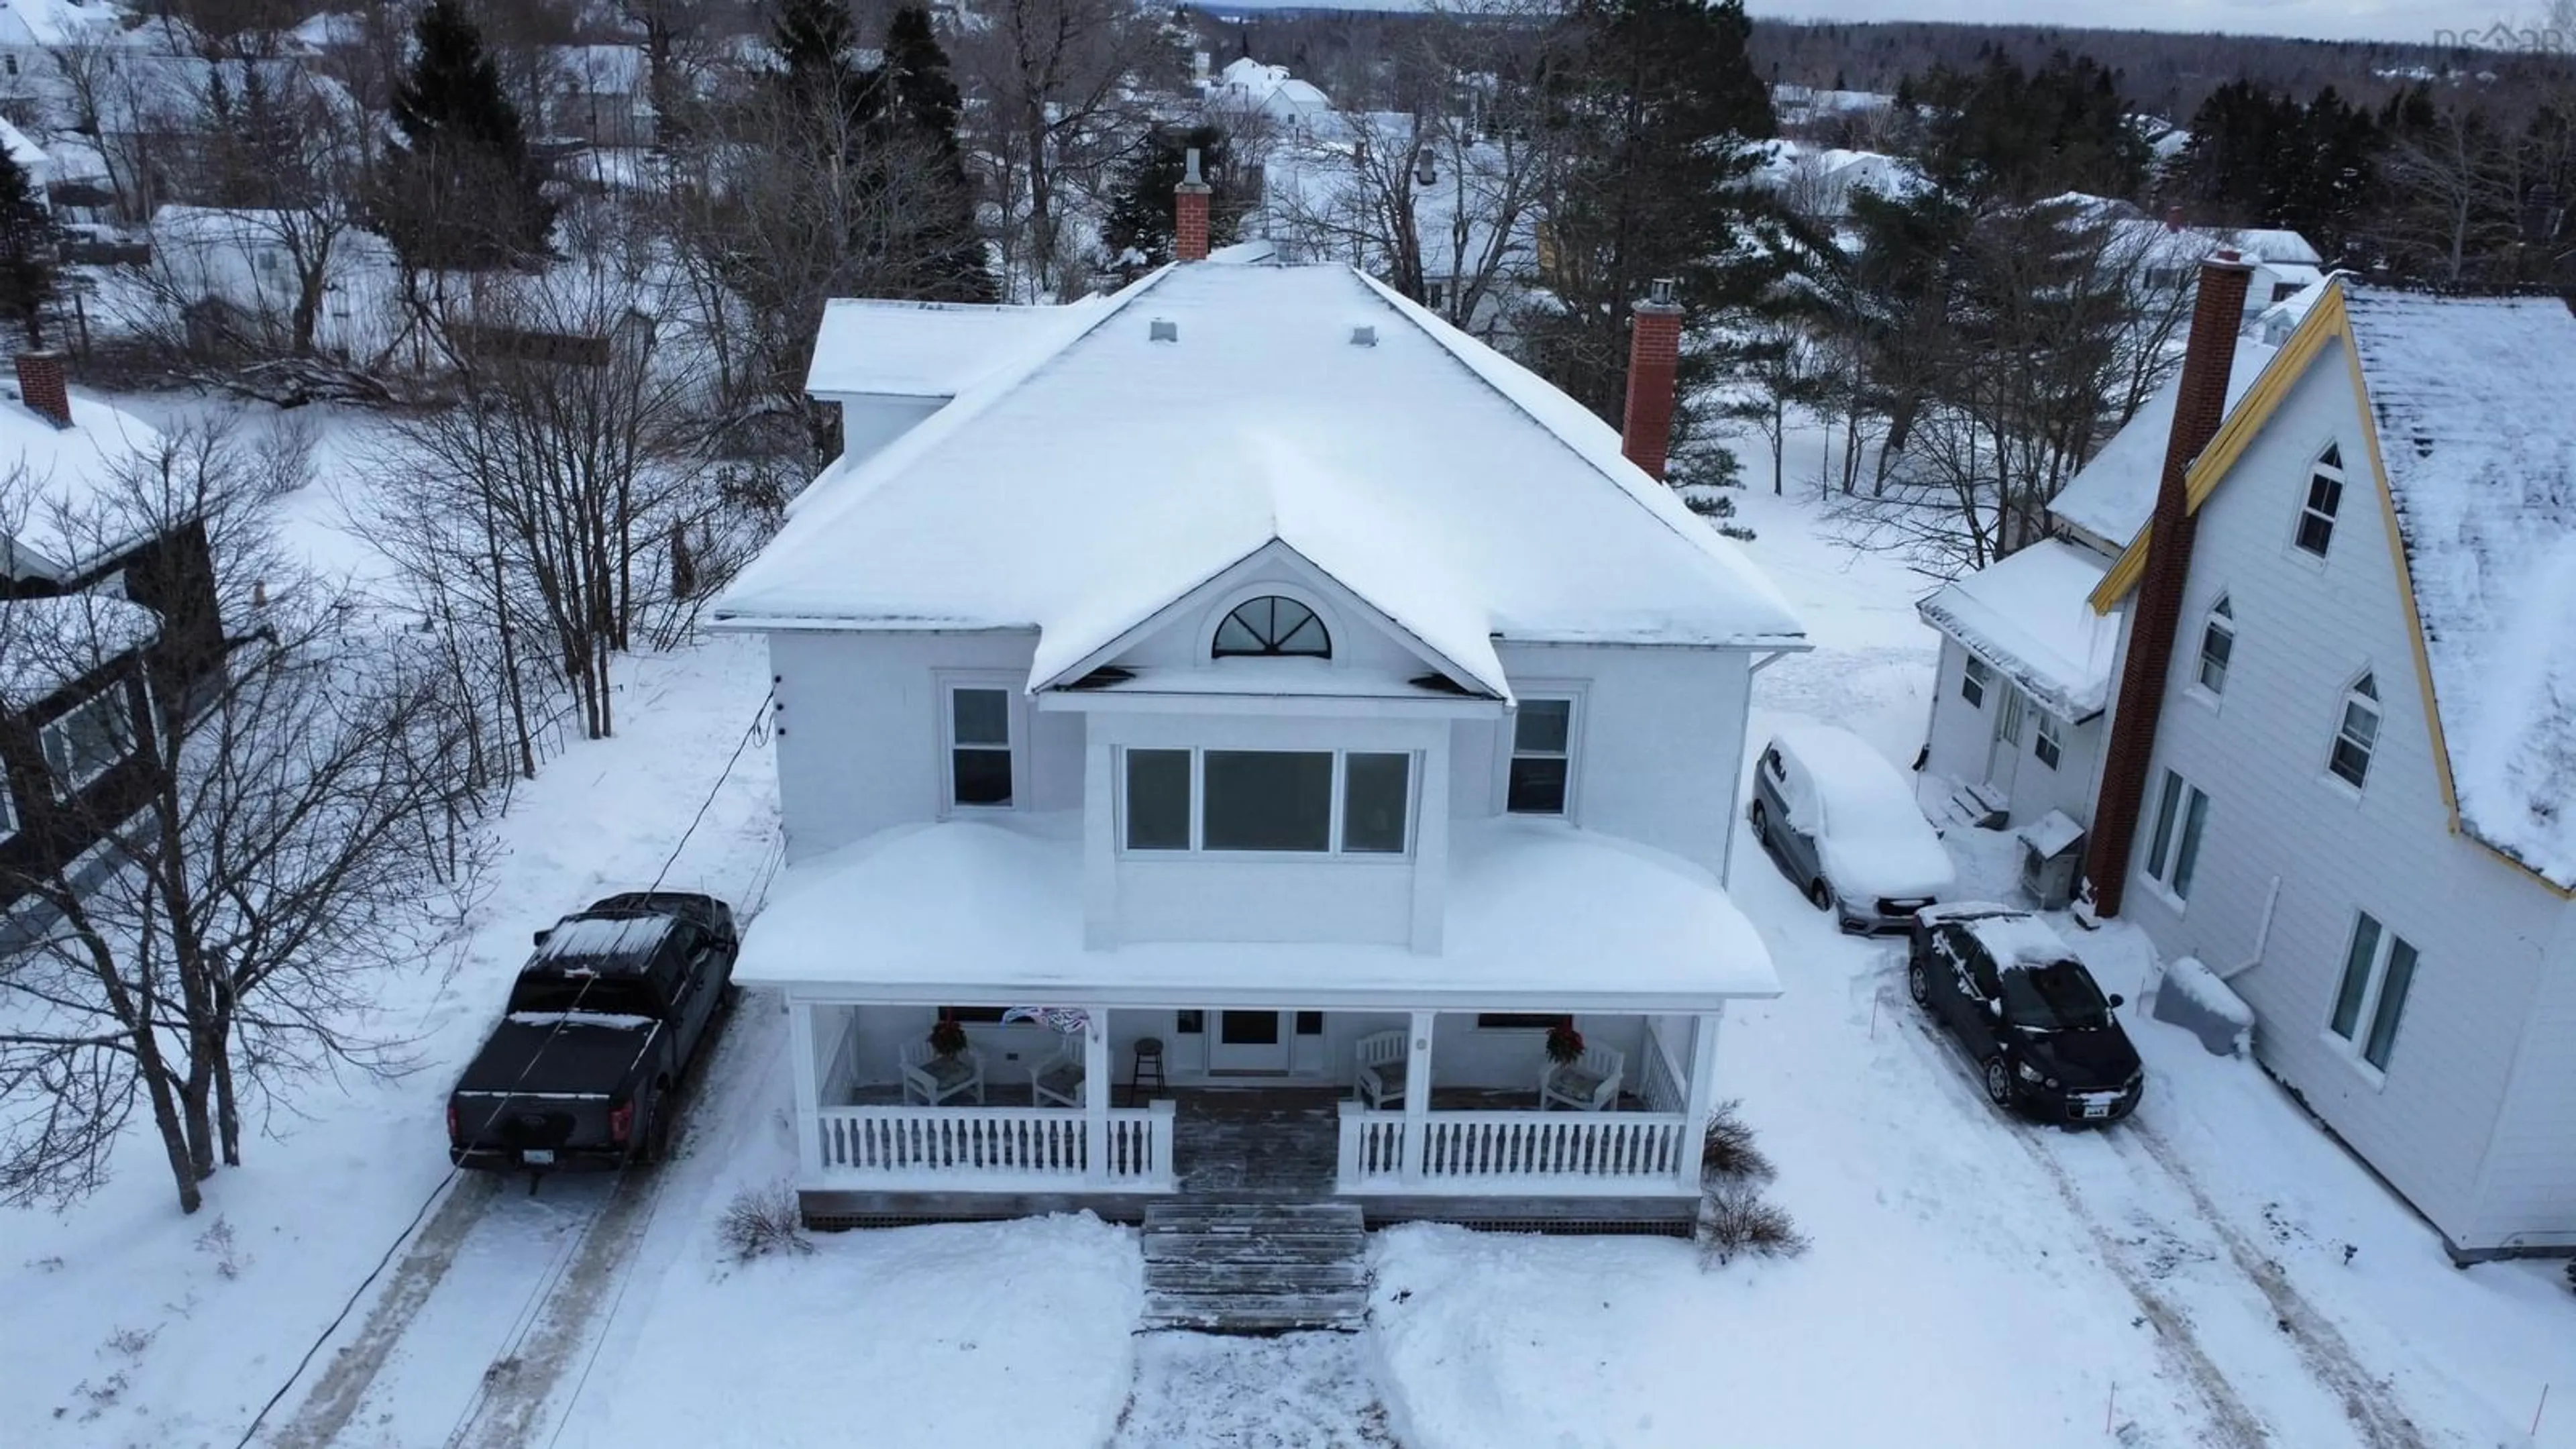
[
  {"x": 2004, "y": 756},
  {"x": 1251, "y": 1041}
]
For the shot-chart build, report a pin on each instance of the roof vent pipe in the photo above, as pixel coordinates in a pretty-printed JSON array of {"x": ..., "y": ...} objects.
[
  {"x": 1364, "y": 337},
  {"x": 1163, "y": 329}
]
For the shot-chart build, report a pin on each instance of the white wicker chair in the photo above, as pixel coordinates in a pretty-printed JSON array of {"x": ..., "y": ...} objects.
[
  {"x": 1377, "y": 1075},
  {"x": 934, "y": 1079},
  {"x": 1058, "y": 1078},
  {"x": 1589, "y": 1083}
]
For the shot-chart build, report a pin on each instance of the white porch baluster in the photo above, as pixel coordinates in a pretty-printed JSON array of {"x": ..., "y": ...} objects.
[
  {"x": 1095, "y": 1092},
  {"x": 800, "y": 1052},
  {"x": 1701, "y": 1095},
  {"x": 1417, "y": 1095}
]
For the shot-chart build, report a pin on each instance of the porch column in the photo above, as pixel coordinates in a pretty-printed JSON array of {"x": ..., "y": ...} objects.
[
  {"x": 1699, "y": 1094},
  {"x": 800, "y": 1059},
  {"x": 1417, "y": 1094},
  {"x": 1095, "y": 1094}
]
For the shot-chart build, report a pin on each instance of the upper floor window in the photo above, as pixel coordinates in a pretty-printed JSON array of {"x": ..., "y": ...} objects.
[
  {"x": 1542, "y": 757},
  {"x": 2325, "y": 500},
  {"x": 979, "y": 745},
  {"x": 2173, "y": 852},
  {"x": 86, "y": 739},
  {"x": 2357, "y": 733},
  {"x": 2217, "y": 646},
  {"x": 1315, "y": 802},
  {"x": 1973, "y": 681},
  {"x": 2377, "y": 971},
  {"x": 1272, "y": 626}
]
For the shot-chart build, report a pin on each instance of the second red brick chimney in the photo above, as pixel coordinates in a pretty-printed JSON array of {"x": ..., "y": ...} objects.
[
  {"x": 2155, "y": 611},
  {"x": 1190, "y": 213},
  {"x": 1654, "y": 357},
  {"x": 43, "y": 388}
]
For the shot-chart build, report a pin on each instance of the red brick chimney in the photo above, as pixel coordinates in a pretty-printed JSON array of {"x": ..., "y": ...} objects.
[
  {"x": 42, "y": 388},
  {"x": 1654, "y": 354},
  {"x": 1190, "y": 213},
  {"x": 2156, "y": 609}
]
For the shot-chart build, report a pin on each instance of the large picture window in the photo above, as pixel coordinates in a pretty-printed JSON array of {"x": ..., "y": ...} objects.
[
  {"x": 85, "y": 740},
  {"x": 1312, "y": 802},
  {"x": 2173, "y": 851},
  {"x": 1542, "y": 757}
]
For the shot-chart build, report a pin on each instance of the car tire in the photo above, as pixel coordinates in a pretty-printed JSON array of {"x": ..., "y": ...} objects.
[
  {"x": 1820, "y": 893},
  {"x": 1998, "y": 1081},
  {"x": 1761, "y": 826},
  {"x": 656, "y": 1147},
  {"x": 1918, "y": 984}
]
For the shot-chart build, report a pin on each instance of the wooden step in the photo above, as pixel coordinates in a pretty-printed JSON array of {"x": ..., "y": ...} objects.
[{"x": 1254, "y": 1265}]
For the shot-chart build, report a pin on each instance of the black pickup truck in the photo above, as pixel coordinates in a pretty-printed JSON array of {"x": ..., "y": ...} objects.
[{"x": 604, "y": 1023}]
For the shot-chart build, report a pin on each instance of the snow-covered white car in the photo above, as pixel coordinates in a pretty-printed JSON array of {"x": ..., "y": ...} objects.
[{"x": 1843, "y": 824}]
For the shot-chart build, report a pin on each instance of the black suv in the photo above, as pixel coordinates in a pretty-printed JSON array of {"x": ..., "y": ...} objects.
[{"x": 2041, "y": 1031}]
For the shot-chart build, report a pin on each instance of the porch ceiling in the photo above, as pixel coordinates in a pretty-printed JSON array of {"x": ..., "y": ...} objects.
[{"x": 1541, "y": 917}]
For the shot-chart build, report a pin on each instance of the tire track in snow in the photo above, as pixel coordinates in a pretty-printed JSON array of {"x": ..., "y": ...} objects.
[{"x": 2365, "y": 1399}]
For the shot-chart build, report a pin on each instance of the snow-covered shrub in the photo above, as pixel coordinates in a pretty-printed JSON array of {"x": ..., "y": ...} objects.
[
  {"x": 1734, "y": 1221},
  {"x": 764, "y": 1221},
  {"x": 217, "y": 1243},
  {"x": 1727, "y": 1152}
]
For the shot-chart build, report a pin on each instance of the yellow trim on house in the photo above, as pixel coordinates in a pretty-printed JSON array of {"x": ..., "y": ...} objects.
[{"x": 2325, "y": 322}]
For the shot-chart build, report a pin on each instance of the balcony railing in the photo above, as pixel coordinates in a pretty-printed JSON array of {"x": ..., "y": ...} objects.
[
  {"x": 1541, "y": 1153},
  {"x": 997, "y": 1148}
]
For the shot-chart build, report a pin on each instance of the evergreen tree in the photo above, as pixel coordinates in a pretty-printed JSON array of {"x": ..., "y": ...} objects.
[
  {"x": 27, "y": 279},
  {"x": 1997, "y": 133},
  {"x": 1653, "y": 112},
  {"x": 1136, "y": 235},
  {"x": 921, "y": 111},
  {"x": 818, "y": 47},
  {"x": 464, "y": 191}
]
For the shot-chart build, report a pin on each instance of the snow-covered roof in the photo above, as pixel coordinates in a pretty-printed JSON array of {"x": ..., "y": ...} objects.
[
  {"x": 48, "y": 643},
  {"x": 927, "y": 349},
  {"x": 50, "y": 23},
  {"x": 2050, "y": 833},
  {"x": 1538, "y": 916},
  {"x": 1081, "y": 489},
  {"x": 2276, "y": 245},
  {"x": 2475, "y": 402},
  {"x": 28, "y": 155},
  {"x": 609, "y": 70},
  {"x": 1270, "y": 88},
  {"x": 2112, "y": 495},
  {"x": 60, "y": 516},
  {"x": 2031, "y": 616}
]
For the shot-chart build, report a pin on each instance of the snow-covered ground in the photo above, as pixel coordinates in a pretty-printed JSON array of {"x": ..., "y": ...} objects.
[{"x": 2214, "y": 1271}]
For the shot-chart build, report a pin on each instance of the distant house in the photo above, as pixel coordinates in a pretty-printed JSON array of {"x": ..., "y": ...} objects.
[
  {"x": 234, "y": 270},
  {"x": 100, "y": 602},
  {"x": 31, "y": 158},
  {"x": 150, "y": 116},
  {"x": 596, "y": 93},
  {"x": 1820, "y": 181},
  {"x": 33, "y": 32},
  {"x": 1249, "y": 87},
  {"x": 2341, "y": 773}
]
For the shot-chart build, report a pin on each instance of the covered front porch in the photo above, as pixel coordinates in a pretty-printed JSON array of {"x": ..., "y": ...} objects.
[{"x": 1066, "y": 1111}]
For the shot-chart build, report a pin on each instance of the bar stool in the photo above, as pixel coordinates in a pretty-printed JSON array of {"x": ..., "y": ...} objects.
[{"x": 1148, "y": 1068}]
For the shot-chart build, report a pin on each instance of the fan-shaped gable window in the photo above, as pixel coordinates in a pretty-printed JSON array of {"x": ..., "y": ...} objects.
[{"x": 1272, "y": 626}]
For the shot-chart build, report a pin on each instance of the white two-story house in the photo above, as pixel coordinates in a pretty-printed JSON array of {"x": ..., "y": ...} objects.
[
  {"x": 1246, "y": 681},
  {"x": 2358, "y": 804}
]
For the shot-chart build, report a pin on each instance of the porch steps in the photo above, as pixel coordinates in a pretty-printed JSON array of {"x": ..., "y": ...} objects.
[
  {"x": 1251, "y": 1265},
  {"x": 1976, "y": 806}
]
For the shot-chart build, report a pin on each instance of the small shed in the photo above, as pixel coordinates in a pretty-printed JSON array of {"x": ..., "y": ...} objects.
[{"x": 2051, "y": 855}]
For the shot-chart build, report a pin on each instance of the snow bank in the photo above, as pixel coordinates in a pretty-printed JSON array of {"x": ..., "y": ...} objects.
[{"x": 2190, "y": 995}]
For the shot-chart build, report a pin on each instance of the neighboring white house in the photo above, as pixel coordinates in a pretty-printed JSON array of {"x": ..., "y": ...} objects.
[
  {"x": 240, "y": 259},
  {"x": 1246, "y": 86},
  {"x": 1246, "y": 663},
  {"x": 2358, "y": 808}
]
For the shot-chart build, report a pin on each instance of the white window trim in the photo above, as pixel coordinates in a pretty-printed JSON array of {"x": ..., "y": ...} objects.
[
  {"x": 2344, "y": 703},
  {"x": 8, "y": 807},
  {"x": 1977, "y": 672},
  {"x": 2045, "y": 729},
  {"x": 2212, "y": 620},
  {"x": 1572, "y": 694},
  {"x": 66, "y": 783},
  {"x": 2342, "y": 474},
  {"x": 1198, "y": 849},
  {"x": 947, "y": 683},
  {"x": 2154, "y": 822},
  {"x": 1203, "y": 653},
  {"x": 2351, "y": 1048}
]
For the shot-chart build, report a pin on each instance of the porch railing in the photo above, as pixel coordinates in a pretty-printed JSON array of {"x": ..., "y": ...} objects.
[
  {"x": 1539, "y": 1152},
  {"x": 998, "y": 1147}
]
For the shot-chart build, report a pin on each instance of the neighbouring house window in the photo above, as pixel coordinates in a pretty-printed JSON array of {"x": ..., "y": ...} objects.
[
  {"x": 1376, "y": 791},
  {"x": 8, "y": 809},
  {"x": 2357, "y": 733},
  {"x": 2045, "y": 744},
  {"x": 1542, "y": 756},
  {"x": 2325, "y": 500},
  {"x": 2217, "y": 646},
  {"x": 1310, "y": 1023},
  {"x": 1517, "y": 1020},
  {"x": 979, "y": 746},
  {"x": 1973, "y": 681},
  {"x": 1189, "y": 1023},
  {"x": 1434, "y": 296},
  {"x": 973, "y": 1015},
  {"x": 85, "y": 740},
  {"x": 2377, "y": 970},
  {"x": 1273, "y": 627},
  {"x": 2173, "y": 851},
  {"x": 1266, "y": 800},
  {"x": 1158, "y": 799}
]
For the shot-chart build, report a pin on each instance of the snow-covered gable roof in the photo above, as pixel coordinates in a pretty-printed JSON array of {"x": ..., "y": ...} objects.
[
  {"x": 1081, "y": 490},
  {"x": 2475, "y": 405},
  {"x": 928, "y": 349},
  {"x": 2276, "y": 244},
  {"x": 50, "y": 23},
  {"x": 56, "y": 515},
  {"x": 26, "y": 153},
  {"x": 2111, "y": 496},
  {"x": 2031, "y": 616},
  {"x": 49, "y": 643}
]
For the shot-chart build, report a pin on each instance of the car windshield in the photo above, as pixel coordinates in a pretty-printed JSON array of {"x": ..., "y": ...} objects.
[{"x": 2059, "y": 996}]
